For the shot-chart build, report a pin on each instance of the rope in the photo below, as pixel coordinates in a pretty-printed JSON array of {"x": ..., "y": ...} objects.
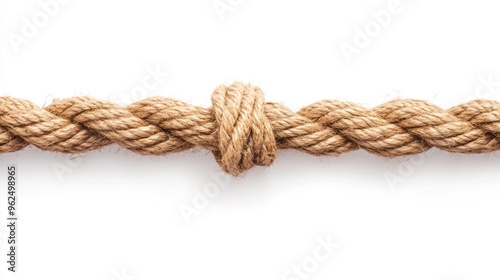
[{"x": 242, "y": 130}]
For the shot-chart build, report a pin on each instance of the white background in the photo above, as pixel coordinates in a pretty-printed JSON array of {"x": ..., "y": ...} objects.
[{"x": 111, "y": 214}]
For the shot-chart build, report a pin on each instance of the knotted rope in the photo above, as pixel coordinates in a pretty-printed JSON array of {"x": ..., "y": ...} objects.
[{"x": 242, "y": 130}]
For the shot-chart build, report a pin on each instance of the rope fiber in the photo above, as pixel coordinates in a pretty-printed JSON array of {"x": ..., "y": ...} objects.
[{"x": 242, "y": 130}]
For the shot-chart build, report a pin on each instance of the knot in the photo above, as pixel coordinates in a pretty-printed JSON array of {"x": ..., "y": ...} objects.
[{"x": 245, "y": 136}]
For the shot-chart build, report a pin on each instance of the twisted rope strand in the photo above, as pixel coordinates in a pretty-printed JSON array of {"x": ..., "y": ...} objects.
[{"x": 242, "y": 130}]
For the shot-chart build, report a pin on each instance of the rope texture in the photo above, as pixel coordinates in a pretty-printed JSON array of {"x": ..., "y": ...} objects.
[{"x": 242, "y": 130}]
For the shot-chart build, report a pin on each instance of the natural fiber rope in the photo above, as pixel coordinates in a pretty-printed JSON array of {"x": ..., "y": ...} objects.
[{"x": 242, "y": 130}]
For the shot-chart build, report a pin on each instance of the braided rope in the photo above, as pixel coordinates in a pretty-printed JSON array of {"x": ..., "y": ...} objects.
[{"x": 242, "y": 130}]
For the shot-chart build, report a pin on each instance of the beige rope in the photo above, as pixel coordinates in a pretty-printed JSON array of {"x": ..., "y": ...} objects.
[{"x": 242, "y": 130}]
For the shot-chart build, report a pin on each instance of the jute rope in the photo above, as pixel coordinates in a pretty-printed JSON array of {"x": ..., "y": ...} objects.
[{"x": 242, "y": 130}]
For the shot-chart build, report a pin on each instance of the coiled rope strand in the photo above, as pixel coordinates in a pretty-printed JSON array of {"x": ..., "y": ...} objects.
[{"x": 242, "y": 130}]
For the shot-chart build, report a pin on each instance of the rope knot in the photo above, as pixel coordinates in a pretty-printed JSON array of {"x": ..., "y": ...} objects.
[{"x": 245, "y": 136}]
